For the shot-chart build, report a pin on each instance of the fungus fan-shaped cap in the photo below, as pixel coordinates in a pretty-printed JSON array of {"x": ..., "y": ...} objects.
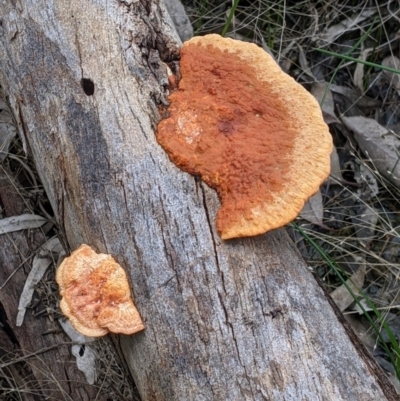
[
  {"x": 249, "y": 130},
  {"x": 96, "y": 295}
]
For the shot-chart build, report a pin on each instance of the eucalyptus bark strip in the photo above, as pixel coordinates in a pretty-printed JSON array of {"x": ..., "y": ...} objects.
[{"x": 235, "y": 320}]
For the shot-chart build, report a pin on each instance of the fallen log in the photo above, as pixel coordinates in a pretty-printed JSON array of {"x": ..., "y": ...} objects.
[{"x": 225, "y": 320}]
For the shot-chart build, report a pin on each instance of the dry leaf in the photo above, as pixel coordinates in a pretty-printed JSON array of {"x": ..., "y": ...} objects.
[
  {"x": 356, "y": 97},
  {"x": 369, "y": 184},
  {"x": 304, "y": 63},
  {"x": 365, "y": 306},
  {"x": 342, "y": 297},
  {"x": 379, "y": 144},
  {"x": 85, "y": 356},
  {"x": 345, "y": 25},
  {"x": 358, "y": 77},
  {"x": 74, "y": 335},
  {"x": 53, "y": 245},
  {"x": 39, "y": 267},
  {"x": 336, "y": 172},
  {"x": 361, "y": 330},
  {"x": 85, "y": 361},
  {"x": 313, "y": 210},
  {"x": 392, "y": 62},
  {"x": 285, "y": 62},
  {"x": 321, "y": 91},
  {"x": 21, "y": 222},
  {"x": 364, "y": 221},
  {"x": 7, "y": 130},
  {"x": 41, "y": 262}
]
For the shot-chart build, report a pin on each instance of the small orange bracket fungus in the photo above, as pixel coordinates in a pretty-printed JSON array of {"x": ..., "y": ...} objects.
[
  {"x": 96, "y": 295},
  {"x": 249, "y": 131}
]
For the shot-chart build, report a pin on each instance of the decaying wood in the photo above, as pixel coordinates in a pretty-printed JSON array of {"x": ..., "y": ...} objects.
[
  {"x": 48, "y": 369},
  {"x": 236, "y": 320}
]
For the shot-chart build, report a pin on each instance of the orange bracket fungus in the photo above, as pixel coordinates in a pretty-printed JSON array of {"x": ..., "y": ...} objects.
[
  {"x": 96, "y": 295},
  {"x": 249, "y": 130}
]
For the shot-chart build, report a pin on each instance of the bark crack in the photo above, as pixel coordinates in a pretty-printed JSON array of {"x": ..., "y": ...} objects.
[
  {"x": 78, "y": 48},
  {"x": 203, "y": 195},
  {"x": 139, "y": 121},
  {"x": 23, "y": 131},
  {"x": 228, "y": 323}
]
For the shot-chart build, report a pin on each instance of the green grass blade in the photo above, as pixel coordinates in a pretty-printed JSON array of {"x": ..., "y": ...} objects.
[
  {"x": 230, "y": 16},
  {"x": 356, "y": 60},
  {"x": 395, "y": 361}
]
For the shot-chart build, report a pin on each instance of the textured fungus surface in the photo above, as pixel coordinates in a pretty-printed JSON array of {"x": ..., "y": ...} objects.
[
  {"x": 249, "y": 130},
  {"x": 96, "y": 295}
]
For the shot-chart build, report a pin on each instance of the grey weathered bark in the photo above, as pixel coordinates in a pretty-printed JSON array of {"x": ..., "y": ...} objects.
[{"x": 235, "y": 320}]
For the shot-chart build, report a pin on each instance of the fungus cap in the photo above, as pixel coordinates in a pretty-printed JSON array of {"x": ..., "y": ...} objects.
[
  {"x": 96, "y": 295},
  {"x": 249, "y": 130}
]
